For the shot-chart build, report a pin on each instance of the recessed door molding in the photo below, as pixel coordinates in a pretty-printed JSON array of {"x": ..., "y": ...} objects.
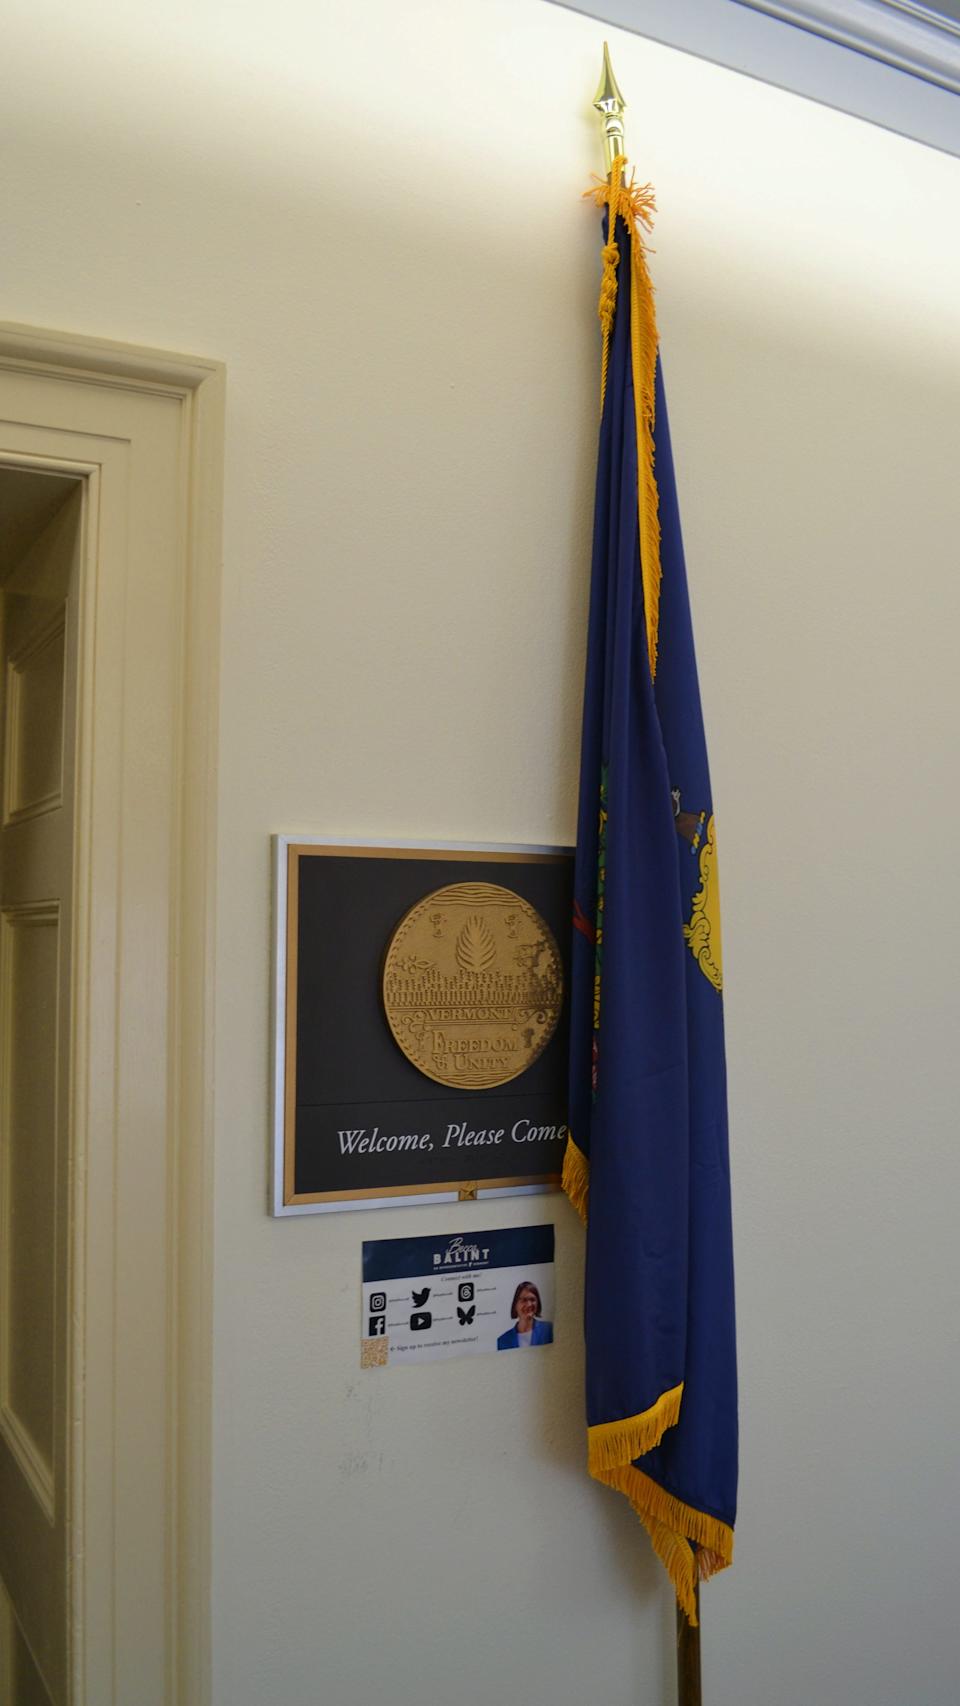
[{"x": 142, "y": 430}]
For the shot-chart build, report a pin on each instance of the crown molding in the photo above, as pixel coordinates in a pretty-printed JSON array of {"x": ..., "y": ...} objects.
[
  {"x": 910, "y": 37},
  {"x": 895, "y": 63}
]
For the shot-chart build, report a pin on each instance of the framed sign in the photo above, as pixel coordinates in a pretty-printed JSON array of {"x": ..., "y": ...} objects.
[{"x": 421, "y": 1022}]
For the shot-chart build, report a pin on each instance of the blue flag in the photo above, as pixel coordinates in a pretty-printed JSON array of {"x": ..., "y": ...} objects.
[{"x": 647, "y": 1162}]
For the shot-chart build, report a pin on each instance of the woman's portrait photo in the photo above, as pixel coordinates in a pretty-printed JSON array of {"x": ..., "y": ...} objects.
[{"x": 529, "y": 1328}]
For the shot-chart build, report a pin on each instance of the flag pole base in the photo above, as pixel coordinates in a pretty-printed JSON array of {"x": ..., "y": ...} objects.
[{"x": 688, "y": 1658}]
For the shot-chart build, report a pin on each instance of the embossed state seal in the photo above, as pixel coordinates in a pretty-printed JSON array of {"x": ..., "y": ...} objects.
[{"x": 472, "y": 985}]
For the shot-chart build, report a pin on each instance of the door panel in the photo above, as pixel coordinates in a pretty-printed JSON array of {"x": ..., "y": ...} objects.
[
  {"x": 38, "y": 606},
  {"x": 20, "y": 1681},
  {"x": 29, "y": 1007},
  {"x": 33, "y": 768}
]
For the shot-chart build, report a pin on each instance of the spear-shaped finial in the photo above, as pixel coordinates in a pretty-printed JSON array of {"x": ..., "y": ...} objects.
[{"x": 611, "y": 106}]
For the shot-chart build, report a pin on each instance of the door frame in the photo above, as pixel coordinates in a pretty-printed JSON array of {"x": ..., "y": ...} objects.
[{"x": 103, "y": 1503}]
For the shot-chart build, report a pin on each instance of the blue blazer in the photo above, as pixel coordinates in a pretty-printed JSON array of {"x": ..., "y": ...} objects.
[{"x": 542, "y": 1335}]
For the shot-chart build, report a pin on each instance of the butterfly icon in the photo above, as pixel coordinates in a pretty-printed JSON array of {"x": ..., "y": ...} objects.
[
  {"x": 465, "y": 1316},
  {"x": 420, "y": 1297}
]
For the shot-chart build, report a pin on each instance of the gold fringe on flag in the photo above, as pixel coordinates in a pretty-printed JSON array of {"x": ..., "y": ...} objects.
[
  {"x": 688, "y": 1542},
  {"x": 672, "y": 1527},
  {"x": 611, "y": 1444}
]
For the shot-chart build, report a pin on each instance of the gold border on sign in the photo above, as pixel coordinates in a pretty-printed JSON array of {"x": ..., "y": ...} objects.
[
  {"x": 297, "y": 850},
  {"x": 449, "y": 1187},
  {"x": 290, "y": 1031}
]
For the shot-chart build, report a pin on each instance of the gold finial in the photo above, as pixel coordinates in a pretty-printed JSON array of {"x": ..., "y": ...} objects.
[{"x": 611, "y": 106}]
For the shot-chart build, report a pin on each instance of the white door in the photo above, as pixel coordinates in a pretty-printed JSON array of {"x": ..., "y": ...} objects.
[
  {"x": 39, "y": 580},
  {"x": 105, "y": 1286}
]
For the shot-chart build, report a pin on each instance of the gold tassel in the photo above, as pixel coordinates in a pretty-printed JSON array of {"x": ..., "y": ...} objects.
[
  {"x": 575, "y": 1179},
  {"x": 610, "y": 255},
  {"x": 635, "y": 206},
  {"x": 644, "y": 341}
]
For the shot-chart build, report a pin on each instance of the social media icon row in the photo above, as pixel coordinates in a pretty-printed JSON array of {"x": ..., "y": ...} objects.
[
  {"x": 421, "y": 1319},
  {"x": 420, "y": 1322}
]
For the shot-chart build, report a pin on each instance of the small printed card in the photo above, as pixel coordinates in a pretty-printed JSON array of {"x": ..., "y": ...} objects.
[{"x": 456, "y": 1295}]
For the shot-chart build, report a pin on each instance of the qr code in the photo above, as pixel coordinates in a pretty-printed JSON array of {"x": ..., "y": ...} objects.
[{"x": 373, "y": 1352}]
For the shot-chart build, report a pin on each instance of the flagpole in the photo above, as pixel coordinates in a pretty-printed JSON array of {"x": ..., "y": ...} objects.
[
  {"x": 611, "y": 106},
  {"x": 688, "y": 1657}
]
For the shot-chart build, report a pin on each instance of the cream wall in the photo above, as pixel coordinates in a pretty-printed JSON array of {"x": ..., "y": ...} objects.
[{"x": 373, "y": 215}]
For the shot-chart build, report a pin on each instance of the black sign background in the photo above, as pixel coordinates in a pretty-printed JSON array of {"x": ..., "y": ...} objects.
[{"x": 344, "y": 1074}]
